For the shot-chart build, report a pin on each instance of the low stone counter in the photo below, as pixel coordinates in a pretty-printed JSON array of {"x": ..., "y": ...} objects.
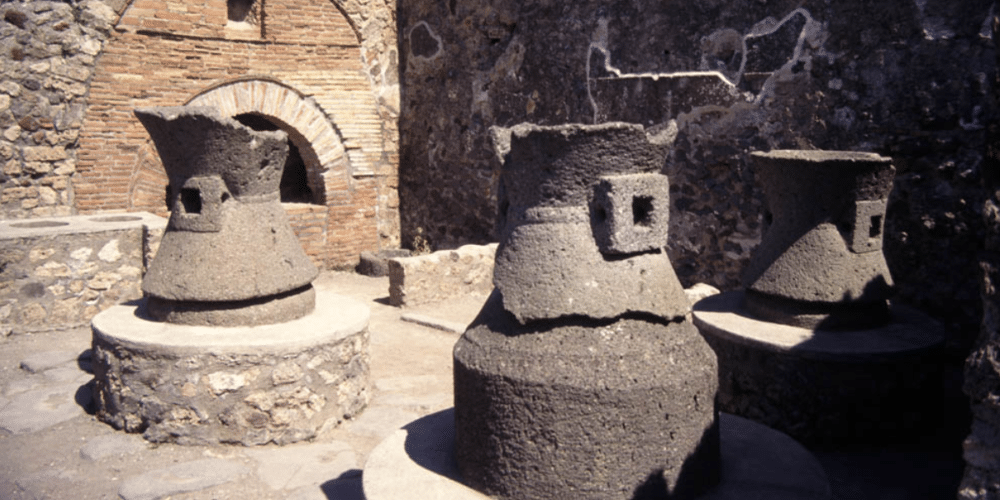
[
  {"x": 253, "y": 385},
  {"x": 441, "y": 275},
  {"x": 58, "y": 272}
]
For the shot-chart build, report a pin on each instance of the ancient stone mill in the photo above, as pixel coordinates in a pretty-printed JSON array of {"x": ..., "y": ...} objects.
[
  {"x": 813, "y": 346},
  {"x": 583, "y": 377},
  {"x": 231, "y": 344}
]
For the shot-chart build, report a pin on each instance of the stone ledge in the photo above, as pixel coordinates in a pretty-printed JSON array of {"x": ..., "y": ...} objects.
[{"x": 58, "y": 272}]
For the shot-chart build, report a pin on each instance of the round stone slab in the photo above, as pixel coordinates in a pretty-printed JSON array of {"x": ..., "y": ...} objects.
[
  {"x": 757, "y": 463},
  {"x": 250, "y": 385},
  {"x": 836, "y": 387}
]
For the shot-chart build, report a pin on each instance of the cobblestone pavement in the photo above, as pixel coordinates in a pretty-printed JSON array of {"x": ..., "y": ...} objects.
[{"x": 52, "y": 448}]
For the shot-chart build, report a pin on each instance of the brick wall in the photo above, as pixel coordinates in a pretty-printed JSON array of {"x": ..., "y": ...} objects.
[{"x": 173, "y": 53}]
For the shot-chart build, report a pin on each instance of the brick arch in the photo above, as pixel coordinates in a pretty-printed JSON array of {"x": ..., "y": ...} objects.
[
  {"x": 309, "y": 128},
  {"x": 146, "y": 190}
]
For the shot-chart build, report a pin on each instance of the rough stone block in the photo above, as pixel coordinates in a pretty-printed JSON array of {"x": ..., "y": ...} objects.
[{"x": 441, "y": 275}]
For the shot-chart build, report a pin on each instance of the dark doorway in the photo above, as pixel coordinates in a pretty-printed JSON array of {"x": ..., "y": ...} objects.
[{"x": 294, "y": 179}]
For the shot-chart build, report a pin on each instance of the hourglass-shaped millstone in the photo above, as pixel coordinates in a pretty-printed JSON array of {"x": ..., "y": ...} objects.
[
  {"x": 584, "y": 212},
  {"x": 583, "y": 376},
  {"x": 820, "y": 261},
  {"x": 228, "y": 256}
]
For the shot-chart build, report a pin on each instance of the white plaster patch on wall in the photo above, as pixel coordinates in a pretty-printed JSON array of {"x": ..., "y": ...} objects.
[
  {"x": 812, "y": 33},
  {"x": 599, "y": 43},
  {"x": 110, "y": 253},
  {"x": 421, "y": 30},
  {"x": 507, "y": 66}
]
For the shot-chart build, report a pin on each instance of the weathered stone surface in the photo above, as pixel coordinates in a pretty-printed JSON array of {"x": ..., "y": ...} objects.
[
  {"x": 58, "y": 273},
  {"x": 564, "y": 250},
  {"x": 820, "y": 260},
  {"x": 307, "y": 464},
  {"x": 38, "y": 409},
  {"x": 42, "y": 361},
  {"x": 228, "y": 238},
  {"x": 48, "y": 51},
  {"x": 377, "y": 264},
  {"x": 982, "y": 367},
  {"x": 113, "y": 445},
  {"x": 584, "y": 409},
  {"x": 273, "y": 383},
  {"x": 181, "y": 478},
  {"x": 828, "y": 388},
  {"x": 434, "y": 277}
]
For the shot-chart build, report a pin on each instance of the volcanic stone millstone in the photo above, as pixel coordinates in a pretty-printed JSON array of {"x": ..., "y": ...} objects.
[
  {"x": 585, "y": 409},
  {"x": 228, "y": 247}
]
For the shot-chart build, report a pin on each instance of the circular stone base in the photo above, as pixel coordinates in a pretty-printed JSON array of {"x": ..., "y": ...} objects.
[
  {"x": 757, "y": 464},
  {"x": 538, "y": 409},
  {"x": 826, "y": 388},
  {"x": 277, "y": 383}
]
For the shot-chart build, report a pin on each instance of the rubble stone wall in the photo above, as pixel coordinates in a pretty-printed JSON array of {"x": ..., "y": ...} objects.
[
  {"x": 47, "y": 56},
  {"x": 59, "y": 272}
]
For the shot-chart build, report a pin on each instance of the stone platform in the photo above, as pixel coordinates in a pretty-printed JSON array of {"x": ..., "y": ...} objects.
[
  {"x": 757, "y": 464},
  {"x": 828, "y": 389},
  {"x": 253, "y": 385}
]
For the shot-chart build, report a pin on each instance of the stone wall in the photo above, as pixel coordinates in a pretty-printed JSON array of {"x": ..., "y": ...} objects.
[
  {"x": 903, "y": 79},
  {"x": 442, "y": 275},
  {"x": 59, "y": 272},
  {"x": 982, "y": 368},
  {"x": 322, "y": 71},
  {"x": 47, "y": 55}
]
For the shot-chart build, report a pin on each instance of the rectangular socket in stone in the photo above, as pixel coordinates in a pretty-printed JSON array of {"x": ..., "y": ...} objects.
[
  {"x": 630, "y": 213},
  {"x": 197, "y": 206},
  {"x": 869, "y": 221}
]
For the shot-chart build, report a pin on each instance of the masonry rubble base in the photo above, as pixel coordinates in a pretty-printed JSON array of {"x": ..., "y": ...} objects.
[{"x": 196, "y": 385}]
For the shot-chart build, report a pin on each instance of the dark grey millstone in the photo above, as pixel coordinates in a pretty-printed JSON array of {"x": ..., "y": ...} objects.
[
  {"x": 198, "y": 141},
  {"x": 272, "y": 309},
  {"x": 556, "y": 269},
  {"x": 255, "y": 255},
  {"x": 822, "y": 245},
  {"x": 583, "y": 223},
  {"x": 631, "y": 213},
  {"x": 228, "y": 238},
  {"x": 555, "y": 166},
  {"x": 585, "y": 409}
]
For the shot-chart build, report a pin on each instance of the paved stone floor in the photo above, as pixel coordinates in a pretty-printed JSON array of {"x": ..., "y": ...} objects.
[{"x": 51, "y": 447}]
